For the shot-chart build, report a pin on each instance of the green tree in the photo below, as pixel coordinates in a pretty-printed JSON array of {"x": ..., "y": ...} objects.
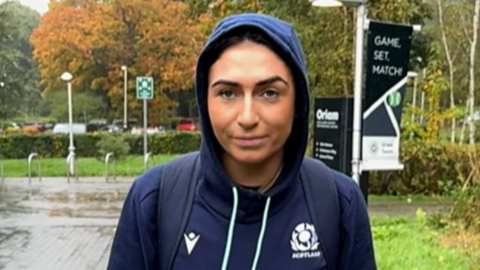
[
  {"x": 86, "y": 106},
  {"x": 18, "y": 70}
]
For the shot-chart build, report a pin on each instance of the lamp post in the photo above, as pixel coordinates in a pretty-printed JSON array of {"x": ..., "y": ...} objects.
[
  {"x": 67, "y": 77},
  {"x": 125, "y": 81},
  {"x": 357, "y": 90}
]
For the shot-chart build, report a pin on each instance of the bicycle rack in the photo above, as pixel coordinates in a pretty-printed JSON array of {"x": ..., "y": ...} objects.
[
  {"x": 146, "y": 159},
  {"x": 107, "y": 160},
  {"x": 30, "y": 160},
  {"x": 71, "y": 158}
]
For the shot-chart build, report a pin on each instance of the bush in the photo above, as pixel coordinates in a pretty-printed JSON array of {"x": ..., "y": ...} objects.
[
  {"x": 56, "y": 145},
  {"x": 467, "y": 207},
  {"x": 113, "y": 144},
  {"x": 431, "y": 168}
]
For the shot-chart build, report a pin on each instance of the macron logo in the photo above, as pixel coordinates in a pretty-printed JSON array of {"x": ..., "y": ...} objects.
[{"x": 191, "y": 240}]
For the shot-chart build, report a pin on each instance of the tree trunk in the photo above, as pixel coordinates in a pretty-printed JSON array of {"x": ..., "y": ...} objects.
[
  {"x": 450, "y": 66},
  {"x": 464, "y": 124},
  {"x": 452, "y": 105},
  {"x": 471, "y": 95}
]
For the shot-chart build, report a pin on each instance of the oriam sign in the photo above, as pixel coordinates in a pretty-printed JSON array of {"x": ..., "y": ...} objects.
[{"x": 326, "y": 115}]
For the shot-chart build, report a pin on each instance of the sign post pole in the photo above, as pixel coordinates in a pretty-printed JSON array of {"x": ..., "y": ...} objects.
[
  {"x": 145, "y": 119},
  {"x": 145, "y": 92}
]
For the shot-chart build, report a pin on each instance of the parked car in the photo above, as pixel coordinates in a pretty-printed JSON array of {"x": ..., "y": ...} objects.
[
  {"x": 37, "y": 126},
  {"x": 131, "y": 123},
  {"x": 186, "y": 124},
  {"x": 77, "y": 128},
  {"x": 9, "y": 126}
]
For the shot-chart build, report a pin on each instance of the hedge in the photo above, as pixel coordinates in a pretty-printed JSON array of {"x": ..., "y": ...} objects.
[
  {"x": 17, "y": 146},
  {"x": 430, "y": 167}
]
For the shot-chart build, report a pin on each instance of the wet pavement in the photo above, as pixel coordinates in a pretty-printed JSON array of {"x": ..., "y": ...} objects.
[{"x": 56, "y": 225}]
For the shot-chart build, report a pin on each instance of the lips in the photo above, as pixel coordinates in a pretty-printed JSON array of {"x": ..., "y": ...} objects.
[{"x": 249, "y": 142}]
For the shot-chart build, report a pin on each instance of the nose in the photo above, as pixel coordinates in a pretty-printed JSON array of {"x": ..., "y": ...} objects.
[{"x": 248, "y": 117}]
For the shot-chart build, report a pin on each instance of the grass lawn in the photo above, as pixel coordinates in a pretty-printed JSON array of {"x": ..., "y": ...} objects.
[
  {"x": 408, "y": 244},
  {"x": 410, "y": 198},
  {"x": 52, "y": 167}
]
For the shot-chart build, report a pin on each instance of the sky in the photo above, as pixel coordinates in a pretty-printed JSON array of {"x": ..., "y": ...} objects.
[{"x": 39, "y": 5}]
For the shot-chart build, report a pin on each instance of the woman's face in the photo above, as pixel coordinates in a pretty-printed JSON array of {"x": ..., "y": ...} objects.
[{"x": 251, "y": 102}]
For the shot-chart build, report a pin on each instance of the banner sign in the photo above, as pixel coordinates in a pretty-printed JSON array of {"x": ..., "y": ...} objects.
[{"x": 388, "y": 53}]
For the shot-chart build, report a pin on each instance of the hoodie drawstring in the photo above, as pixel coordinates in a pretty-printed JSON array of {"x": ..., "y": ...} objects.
[
  {"x": 262, "y": 233},
  {"x": 232, "y": 228}
]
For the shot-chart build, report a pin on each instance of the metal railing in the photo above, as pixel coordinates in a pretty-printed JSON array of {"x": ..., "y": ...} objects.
[
  {"x": 30, "y": 160},
  {"x": 146, "y": 159},
  {"x": 71, "y": 158},
  {"x": 107, "y": 161}
]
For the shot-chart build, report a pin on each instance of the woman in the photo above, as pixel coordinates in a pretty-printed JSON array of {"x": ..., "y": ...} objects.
[{"x": 249, "y": 209}]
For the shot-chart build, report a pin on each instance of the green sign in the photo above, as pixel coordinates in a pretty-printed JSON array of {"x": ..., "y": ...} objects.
[
  {"x": 144, "y": 88},
  {"x": 394, "y": 99}
]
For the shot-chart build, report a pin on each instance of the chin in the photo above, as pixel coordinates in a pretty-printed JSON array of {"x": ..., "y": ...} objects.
[{"x": 250, "y": 157}]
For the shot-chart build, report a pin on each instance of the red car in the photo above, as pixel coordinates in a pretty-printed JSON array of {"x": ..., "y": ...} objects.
[{"x": 186, "y": 124}]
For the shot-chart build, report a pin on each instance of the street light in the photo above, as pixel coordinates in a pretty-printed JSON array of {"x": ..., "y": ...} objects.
[
  {"x": 67, "y": 77},
  {"x": 357, "y": 91},
  {"x": 125, "y": 81}
]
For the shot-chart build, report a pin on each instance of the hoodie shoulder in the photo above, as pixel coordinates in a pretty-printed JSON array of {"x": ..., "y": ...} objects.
[
  {"x": 356, "y": 237},
  {"x": 147, "y": 184},
  {"x": 135, "y": 239},
  {"x": 347, "y": 189}
]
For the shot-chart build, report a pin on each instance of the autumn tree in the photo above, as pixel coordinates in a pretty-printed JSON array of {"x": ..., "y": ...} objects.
[{"x": 152, "y": 38}]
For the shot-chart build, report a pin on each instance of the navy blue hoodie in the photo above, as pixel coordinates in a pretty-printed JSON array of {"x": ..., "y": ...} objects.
[{"x": 205, "y": 242}]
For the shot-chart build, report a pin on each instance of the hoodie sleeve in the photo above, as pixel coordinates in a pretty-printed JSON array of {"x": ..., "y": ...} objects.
[
  {"x": 356, "y": 247},
  {"x": 133, "y": 245}
]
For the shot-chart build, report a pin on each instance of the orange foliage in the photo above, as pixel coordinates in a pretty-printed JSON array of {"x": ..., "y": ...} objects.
[{"x": 93, "y": 40}]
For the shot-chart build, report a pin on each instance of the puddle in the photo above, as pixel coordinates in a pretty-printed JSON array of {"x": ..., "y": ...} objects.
[
  {"x": 86, "y": 212},
  {"x": 83, "y": 197},
  {"x": 61, "y": 202}
]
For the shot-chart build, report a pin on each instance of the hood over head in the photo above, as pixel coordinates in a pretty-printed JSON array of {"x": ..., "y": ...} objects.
[{"x": 286, "y": 44}]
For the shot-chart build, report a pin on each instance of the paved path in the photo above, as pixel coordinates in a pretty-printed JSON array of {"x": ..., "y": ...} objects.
[{"x": 55, "y": 225}]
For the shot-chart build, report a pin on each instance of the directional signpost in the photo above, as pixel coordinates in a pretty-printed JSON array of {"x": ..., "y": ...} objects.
[
  {"x": 145, "y": 92},
  {"x": 144, "y": 88}
]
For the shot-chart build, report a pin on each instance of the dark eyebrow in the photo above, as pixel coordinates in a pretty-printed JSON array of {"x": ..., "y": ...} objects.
[
  {"x": 272, "y": 80},
  {"x": 225, "y": 82},
  {"x": 268, "y": 81}
]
